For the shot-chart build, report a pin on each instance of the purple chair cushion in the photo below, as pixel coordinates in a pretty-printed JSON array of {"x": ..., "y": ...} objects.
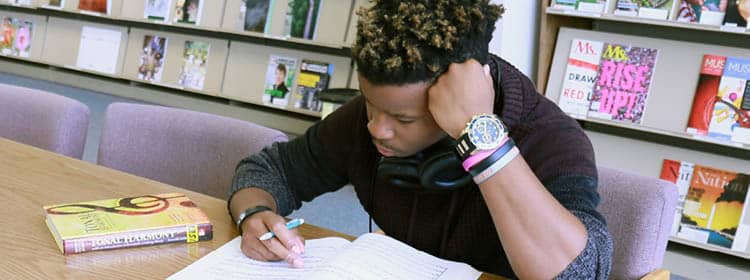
[
  {"x": 639, "y": 212},
  {"x": 188, "y": 149},
  {"x": 44, "y": 120}
]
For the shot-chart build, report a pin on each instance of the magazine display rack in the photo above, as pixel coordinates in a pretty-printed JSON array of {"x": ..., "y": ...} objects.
[
  {"x": 237, "y": 60},
  {"x": 641, "y": 148}
]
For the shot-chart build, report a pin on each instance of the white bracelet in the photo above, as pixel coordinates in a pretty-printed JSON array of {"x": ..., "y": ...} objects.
[{"x": 497, "y": 166}]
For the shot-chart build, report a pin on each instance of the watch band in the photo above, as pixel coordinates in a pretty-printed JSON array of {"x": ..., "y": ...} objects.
[
  {"x": 249, "y": 212},
  {"x": 464, "y": 147}
]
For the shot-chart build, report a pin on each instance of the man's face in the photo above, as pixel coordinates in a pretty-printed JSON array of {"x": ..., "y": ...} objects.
[
  {"x": 398, "y": 118},
  {"x": 280, "y": 76}
]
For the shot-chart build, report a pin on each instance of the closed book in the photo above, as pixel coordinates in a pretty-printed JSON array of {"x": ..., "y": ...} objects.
[{"x": 127, "y": 222}]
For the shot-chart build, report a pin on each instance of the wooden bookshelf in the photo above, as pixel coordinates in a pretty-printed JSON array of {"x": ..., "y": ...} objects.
[{"x": 641, "y": 148}]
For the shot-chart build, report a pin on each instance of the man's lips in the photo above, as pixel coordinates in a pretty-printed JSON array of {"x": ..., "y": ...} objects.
[{"x": 384, "y": 151}]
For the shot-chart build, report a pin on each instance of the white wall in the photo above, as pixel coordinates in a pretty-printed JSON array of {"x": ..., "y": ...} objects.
[{"x": 516, "y": 34}]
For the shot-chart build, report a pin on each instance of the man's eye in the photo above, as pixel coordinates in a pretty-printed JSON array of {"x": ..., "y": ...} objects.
[{"x": 405, "y": 121}]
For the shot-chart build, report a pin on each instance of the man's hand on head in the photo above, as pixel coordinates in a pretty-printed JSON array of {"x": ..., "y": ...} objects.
[{"x": 464, "y": 91}]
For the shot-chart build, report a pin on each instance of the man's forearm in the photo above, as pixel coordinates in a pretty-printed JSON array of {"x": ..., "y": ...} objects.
[
  {"x": 540, "y": 237},
  {"x": 250, "y": 197}
]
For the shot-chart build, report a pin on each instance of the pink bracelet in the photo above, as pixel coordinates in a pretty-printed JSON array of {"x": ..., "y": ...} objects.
[{"x": 478, "y": 157}]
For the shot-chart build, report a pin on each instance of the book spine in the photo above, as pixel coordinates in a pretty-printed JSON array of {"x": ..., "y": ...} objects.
[{"x": 186, "y": 233}]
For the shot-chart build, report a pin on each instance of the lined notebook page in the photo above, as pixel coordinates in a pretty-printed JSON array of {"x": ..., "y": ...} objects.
[
  {"x": 376, "y": 256},
  {"x": 371, "y": 256},
  {"x": 228, "y": 262}
]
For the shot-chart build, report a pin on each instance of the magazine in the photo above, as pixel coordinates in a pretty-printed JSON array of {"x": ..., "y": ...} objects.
[
  {"x": 624, "y": 82},
  {"x": 313, "y": 78},
  {"x": 705, "y": 94},
  {"x": 302, "y": 18},
  {"x": 580, "y": 77},
  {"x": 255, "y": 15},
  {"x": 713, "y": 206},
  {"x": 279, "y": 78},
  {"x": 194, "y": 59},
  {"x": 704, "y": 12},
  {"x": 99, "y": 49},
  {"x": 589, "y": 6},
  {"x": 157, "y": 10},
  {"x": 681, "y": 174},
  {"x": 654, "y": 9},
  {"x": 152, "y": 58},
  {"x": 730, "y": 120},
  {"x": 94, "y": 6},
  {"x": 20, "y": 2},
  {"x": 126, "y": 222},
  {"x": 188, "y": 11},
  {"x": 16, "y": 37}
]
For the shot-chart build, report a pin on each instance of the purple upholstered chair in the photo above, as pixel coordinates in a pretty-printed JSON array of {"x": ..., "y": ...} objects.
[
  {"x": 639, "y": 212},
  {"x": 188, "y": 149},
  {"x": 44, "y": 120}
]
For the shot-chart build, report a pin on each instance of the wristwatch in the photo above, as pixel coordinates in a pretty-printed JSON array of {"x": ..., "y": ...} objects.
[{"x": 483, "y": 132}]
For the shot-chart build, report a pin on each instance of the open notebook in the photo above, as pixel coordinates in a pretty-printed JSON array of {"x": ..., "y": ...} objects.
[{"x": 371, "y": 256}]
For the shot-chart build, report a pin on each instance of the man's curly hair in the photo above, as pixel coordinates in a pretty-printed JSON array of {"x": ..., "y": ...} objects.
[{"x": 402, "y": 42}]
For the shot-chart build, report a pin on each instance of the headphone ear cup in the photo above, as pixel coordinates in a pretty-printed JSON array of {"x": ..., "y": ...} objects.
[
  {"x": 443, "y": 171},
  {"x": 399, "y": 172}
]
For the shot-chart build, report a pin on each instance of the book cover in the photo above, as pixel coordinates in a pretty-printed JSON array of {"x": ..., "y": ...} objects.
[
  {"x": 94, "y": 6},
  {"x": 157, "y": 10},
  {"x": 657, "y": 9},
  {"x": 302, "y": 18},
  {"x": 126, "y": 222},
  {"x": 188, "y": 11},
  {"x": 730, "y": 120},
  {"x": 194, "y": 59},
  {"x": 152, "y": 58},
  {"x": 279, "y": 78},
  {"x": 580, "y": 77},
  {"x": 255, "y": 15},
  {"x": 704, "y": 99},
  {"x": 16, "y": 37},
  {"x": 622, "y": 89},
  {"x": 56, "y": 3},
  {"x": 99, "y": 49},
  {"x": 705, "y": 11},
  {"x": 595, "y": 6},
  {"x": 713, "y": 205},
  {"x": 681, "y": 174},
  {"x": 313, "y": 78}
]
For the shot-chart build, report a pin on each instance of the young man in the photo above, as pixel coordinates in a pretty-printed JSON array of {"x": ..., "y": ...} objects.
[{"x": 424, "y": 72}]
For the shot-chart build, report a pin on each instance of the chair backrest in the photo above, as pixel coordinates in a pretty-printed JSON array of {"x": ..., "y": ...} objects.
[
  {"x": 188, "y": 149},
  {"x": 44, "y": 120},
  {"x": 639, "y": 211}
]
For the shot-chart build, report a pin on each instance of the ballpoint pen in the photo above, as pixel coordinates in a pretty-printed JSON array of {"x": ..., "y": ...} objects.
[{"x": 289, "y": 225}]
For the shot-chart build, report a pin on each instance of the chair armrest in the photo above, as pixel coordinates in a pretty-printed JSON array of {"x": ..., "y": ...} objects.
[{"x": 659, "y": 274}]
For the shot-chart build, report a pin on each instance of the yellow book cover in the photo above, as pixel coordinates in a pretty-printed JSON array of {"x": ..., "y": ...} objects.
[{"x": 127, "y": 222}]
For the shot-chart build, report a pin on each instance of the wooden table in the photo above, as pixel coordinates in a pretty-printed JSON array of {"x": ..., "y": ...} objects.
[{"x": 31, "y": 178}]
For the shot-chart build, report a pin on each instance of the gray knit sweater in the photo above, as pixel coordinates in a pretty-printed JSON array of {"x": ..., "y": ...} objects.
[{"x": 338, "y": 150}]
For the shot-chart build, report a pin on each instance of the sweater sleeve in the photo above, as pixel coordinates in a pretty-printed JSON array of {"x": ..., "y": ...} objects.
[
  {"x": 306, "y": 167},
  {"x": 578, "y": 195}
]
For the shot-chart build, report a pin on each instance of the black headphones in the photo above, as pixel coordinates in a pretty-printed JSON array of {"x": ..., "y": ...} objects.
[{"x": 435, "y": 168}]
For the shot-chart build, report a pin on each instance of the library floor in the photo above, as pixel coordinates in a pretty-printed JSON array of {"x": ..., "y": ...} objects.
[{"x": 341, "y": 210}]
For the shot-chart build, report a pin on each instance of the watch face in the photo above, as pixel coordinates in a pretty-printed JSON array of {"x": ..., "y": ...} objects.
[{"x": 486, "y": 132}]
